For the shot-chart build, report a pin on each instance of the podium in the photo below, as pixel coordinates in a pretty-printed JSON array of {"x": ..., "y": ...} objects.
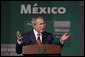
[{"x": 44, "y": 49}]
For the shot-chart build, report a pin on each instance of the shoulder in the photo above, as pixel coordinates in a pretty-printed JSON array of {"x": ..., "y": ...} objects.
[
  {"x": 28, "y": 33},
  {"x": 47, "y": 33}
]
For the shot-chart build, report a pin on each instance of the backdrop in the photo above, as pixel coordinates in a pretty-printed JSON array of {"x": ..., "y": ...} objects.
[{"x": 59, "y": 16}]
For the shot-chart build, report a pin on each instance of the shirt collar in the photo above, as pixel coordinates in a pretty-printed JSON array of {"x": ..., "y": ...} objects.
[{"x": 36, "y": 32}]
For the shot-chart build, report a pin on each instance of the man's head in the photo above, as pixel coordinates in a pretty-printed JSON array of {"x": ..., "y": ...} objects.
[{"x": 38, "y": 24}]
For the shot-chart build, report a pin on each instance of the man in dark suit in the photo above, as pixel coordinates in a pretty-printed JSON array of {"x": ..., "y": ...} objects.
[{"x": 37, "y": 35}]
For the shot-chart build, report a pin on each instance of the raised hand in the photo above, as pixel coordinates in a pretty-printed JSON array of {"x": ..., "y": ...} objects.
[
  {"x": 19, "y": 36},
  {"x": 64, "y": 37}
]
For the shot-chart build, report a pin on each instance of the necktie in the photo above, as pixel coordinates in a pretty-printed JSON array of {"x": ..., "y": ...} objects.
[{"x": 38, "y": 39}]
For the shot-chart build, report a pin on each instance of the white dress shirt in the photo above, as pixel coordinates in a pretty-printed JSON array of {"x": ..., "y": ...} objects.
[{"x": 35, "y": 32}]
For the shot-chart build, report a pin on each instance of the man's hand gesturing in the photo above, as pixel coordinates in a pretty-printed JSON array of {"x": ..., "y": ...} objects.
[{"x": 19, "y": 36}]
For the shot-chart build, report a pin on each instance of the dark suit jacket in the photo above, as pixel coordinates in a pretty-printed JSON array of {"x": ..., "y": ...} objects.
[{"x": 29, "y": 38}]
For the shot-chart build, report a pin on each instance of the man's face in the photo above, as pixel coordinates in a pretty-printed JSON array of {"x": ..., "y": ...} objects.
[{"x": 39, "y": 26}]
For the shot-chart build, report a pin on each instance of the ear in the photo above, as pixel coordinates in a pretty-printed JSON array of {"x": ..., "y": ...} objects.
[{"x": 33, "y": 25}]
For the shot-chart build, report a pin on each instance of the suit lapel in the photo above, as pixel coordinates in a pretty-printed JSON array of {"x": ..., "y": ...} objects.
[
  {"x": 33, "y": 39},
  {"x": 43, "y": 38}
]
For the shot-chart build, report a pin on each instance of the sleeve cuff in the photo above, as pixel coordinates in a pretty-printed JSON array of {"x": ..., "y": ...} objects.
[
  {"x": 62, "y": 42},
  {"x": 19, "y": 42}
]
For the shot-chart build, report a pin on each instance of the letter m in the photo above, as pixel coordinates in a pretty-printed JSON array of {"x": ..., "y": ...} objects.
[{"x": 25, "y": 10}]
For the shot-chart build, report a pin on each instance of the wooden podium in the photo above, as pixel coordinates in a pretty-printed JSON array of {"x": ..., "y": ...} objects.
[{"x": 45, "y": 49}]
